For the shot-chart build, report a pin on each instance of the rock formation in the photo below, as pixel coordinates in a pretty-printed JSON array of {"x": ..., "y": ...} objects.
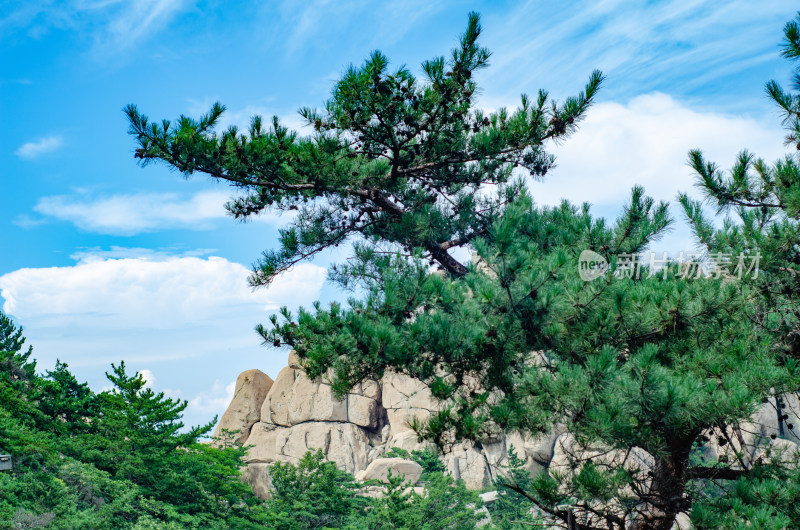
[
  {"x": 380, "y": 468},
  {"x": 252, "y": 387},
  {"x": 281, "y": 420}
]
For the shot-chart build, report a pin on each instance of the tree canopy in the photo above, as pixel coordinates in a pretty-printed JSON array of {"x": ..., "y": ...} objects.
[
  {"x": 653, "y": 372},
  {"x": 394, "y": 162}
]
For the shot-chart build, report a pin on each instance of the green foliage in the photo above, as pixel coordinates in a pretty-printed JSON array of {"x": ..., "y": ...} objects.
[
  {"x": 512, "y": 510},
  {"x": 649, "y": 362},
  {"x": 395, "y": 162},
  {"x": 516, "y": 340},
  {"x": 113, "y": 460},
  {"x": 429, "y": 459},
  {"x": 312, "y": 494},
  {"x": 65, "y": 401},
  {"x": 15, "y": 362},
  {"x": 445, "y": 504},
  {"x": 761, "y": 204},
  {"x": 398, "y": 452}
]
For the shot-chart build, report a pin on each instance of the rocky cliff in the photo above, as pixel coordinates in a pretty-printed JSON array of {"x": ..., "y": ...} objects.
[{"x": 282, "y": 419}]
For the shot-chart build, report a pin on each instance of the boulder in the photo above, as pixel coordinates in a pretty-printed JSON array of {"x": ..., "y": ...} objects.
[
  {"x": 569, "y": 456},
  {"x": 408, "y": 441},
  {"x": 379, "y": 470},
  {"x": 489, "y": 497},
  {"x": 467, "y": 462},
  {"x": 244, "y": 410},
  {"x": 296, "y": 399},
  {"x": 362, "y": 411},
  {"x": 781, "y": 451},
  {"x": 536, "y": 451},
  {"x": 343, "y": 443},
  {"x": 312, "y": 401},
  {"x": 777, "y": 418},
  {"x": 294, "y": 361},
  {"x": 257, "y": 476},
  {"x": 682, "y": 522},
  {"x": 404, "y": 399},
  {"x": 275, "y": 409},
  {"x": 485, "y": 517}
]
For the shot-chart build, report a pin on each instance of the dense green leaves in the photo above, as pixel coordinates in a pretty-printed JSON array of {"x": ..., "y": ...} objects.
[
  {"x": 121, "y": 459},
  {"x": 118, "y": 459},
  {"x": 313, "y": 494},
  {"x": 648, "y": 362}
]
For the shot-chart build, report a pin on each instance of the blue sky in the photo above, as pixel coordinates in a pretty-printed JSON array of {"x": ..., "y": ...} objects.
[{"x": 101, "y": 260}]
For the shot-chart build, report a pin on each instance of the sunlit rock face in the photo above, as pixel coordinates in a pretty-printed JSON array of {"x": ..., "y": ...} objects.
[
  {"x": 282, "y": 419},
  {"x": 244, "y": 411},
  {"x": 279, "y": 421}
]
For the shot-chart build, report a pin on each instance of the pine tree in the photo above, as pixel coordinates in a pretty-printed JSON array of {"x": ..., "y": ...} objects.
[
  {"x": 646, "y": 367},
  {"x": 139, "y": 435},
  {"x": 60, "y": 434},
  {"x": 70, "y": 406},
  {"x": 761, "y": 224},
  {"x": 312, "y": 494},
  {"x": 14, "y": 358},
  {"x": 762, "y": 206},
  {"x": 393, "y": 160}
]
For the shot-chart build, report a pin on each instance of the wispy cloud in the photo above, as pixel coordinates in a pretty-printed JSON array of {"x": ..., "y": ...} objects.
[
  {"x": 316, "y": 21},
  {"x": 134, "y": 21},
  {"x": 115, "y": 25},
  {"x": 130, "y": 214},
  {"x": 35, "y": 149},
  {"x": 672, "y": 46}
]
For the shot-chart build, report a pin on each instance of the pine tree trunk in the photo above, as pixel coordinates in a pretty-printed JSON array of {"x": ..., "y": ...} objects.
[{"x": 665, "y": 499}]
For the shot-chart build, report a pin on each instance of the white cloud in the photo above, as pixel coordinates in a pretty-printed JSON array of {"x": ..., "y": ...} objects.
[
  {"x": 116, "y": 252},
  {"x": 130, "y": 214},
  {"x": 186, "y": 318},
  {"x": 647, "y": 142},
  {"x": 145, "y": 293},
  {"x": 215, "y": 400},
  {"x": 676, "y": 46},
  {"x": 137, "y": 20},
  {"x": 31, "y": 150},
  {"x": 148, "y": 376},
  {"x": 316, "y": 21},
  {"x": 115, "y": 25}
]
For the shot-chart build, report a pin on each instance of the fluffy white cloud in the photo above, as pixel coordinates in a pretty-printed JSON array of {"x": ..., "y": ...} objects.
[
  {"x": 156, "y": 294},
  {"x": 31, "y": 150},
  {"x": 647, "y": 142},
  {"x": 148, "y": 376},
  {"x": 215, "y": 400},
  {"x": 129, "y": 214},
  {"x": 186, "y": 318}
]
